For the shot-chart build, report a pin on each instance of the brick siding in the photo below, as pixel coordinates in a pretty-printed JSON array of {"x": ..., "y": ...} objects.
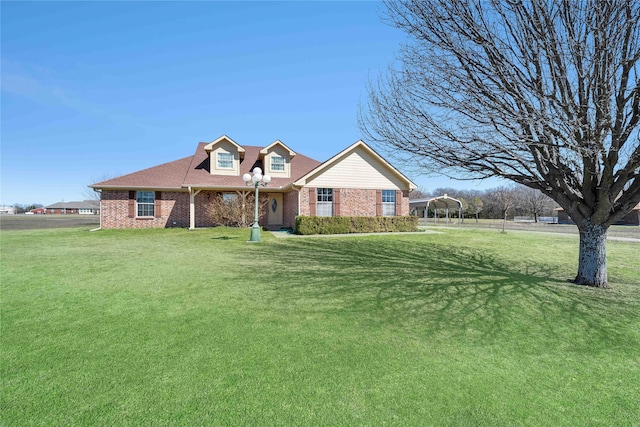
[
  {"x": 204, "y": 204},
  {"x": 114, "y": 212},
  {"x": 357, "y": 202},
  {"x": 304, "y": 202},
  {"x": 290, "y": 209},
  {"x": 174, "y": 207},
  {"x": 405, "y": 210}
]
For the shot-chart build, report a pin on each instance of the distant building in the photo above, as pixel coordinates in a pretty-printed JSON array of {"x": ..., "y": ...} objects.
[
  {"x": 632, "y": 218},
  {"x": 7, "y": 210},
  {"x": 86, "y": 207}
]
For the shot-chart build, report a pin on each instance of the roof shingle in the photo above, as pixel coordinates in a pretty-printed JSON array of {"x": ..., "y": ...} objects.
[{"x": 193, "y": 171}]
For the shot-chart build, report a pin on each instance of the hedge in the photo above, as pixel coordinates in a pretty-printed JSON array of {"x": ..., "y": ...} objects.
[{"x": 354, "y": 224}]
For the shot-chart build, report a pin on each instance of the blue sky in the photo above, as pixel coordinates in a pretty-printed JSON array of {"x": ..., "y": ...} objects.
[{"x": 92, "y": 90}]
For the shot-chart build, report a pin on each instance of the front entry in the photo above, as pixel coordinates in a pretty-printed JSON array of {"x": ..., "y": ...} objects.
[{"x": 275, "y": 209}]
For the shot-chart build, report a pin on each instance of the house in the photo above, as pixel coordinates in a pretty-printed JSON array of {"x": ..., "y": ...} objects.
[
  {"x": 355, "y": 182},
  {"x": 7, "y": 210},
  {"x": 632, "y": 218},
  {"x": 86, "y": 207}
]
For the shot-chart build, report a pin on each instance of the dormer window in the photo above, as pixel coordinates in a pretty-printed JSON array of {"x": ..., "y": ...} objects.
[
  {"x": 277, "y": 163},
  {"x": 276, "y": 158},
  {"x": 224, "y": 156},
  {"x": 225, "y": 160}
]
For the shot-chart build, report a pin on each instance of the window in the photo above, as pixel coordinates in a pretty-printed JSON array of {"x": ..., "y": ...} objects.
[
  {"x": 277, "y": 163},
  {"x": 324, "y": 206},
  {"x": 229, "y": 197},
  {"x": 145, "y": 202},
  {"x": 388, "y": 202},
  {"x": 225, "y": 161}
]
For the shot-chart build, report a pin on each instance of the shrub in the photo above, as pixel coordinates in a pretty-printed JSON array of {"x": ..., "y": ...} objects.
[
  {"x": 354, "y": 224},
  {"x": 235, "y": 211}
]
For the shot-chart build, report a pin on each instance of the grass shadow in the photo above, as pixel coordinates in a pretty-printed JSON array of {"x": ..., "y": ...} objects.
[{"x": 431, "y": 287}]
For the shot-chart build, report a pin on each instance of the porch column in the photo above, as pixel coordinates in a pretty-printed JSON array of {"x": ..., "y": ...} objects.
[
  {"x": 192, "y": 208},
  {"x": 426, "y": 214}
]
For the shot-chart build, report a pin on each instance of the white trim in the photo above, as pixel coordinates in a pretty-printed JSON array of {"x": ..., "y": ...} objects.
[
  {"x": 215, "y": 142},
  {"x": 266, "y": 149},
  {"x": 192, "y": 208}
]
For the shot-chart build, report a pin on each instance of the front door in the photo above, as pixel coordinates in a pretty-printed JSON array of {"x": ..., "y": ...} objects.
[{"x": 275, "y": 209}]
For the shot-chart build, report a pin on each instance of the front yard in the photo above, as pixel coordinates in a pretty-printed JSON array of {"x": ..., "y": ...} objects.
[{"x": 171, "y": 327}]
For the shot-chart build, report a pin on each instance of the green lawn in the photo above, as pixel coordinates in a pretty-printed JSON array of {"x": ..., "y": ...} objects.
[{"x": 171, "y": 327}]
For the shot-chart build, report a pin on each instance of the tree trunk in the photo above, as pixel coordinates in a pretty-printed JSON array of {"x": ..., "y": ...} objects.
[{"x": 592, "y": 261}]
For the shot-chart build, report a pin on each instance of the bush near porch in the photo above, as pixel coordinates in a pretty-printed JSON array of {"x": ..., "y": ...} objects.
[{"x": 354, "y": 224}]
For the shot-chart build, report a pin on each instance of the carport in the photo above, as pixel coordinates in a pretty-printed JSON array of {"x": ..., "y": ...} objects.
[{"x": 436, "y": 203}]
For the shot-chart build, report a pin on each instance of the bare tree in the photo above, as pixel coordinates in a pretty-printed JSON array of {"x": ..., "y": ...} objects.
[
  {"x": 93, "y": 194},
  {"x": 505, "y": 199},
  {"x": 544, "y": 93},
  {"x": 475, "y": 206},
  {"x": 534, "y": 202},
  {"x": 418, "y": 193}
]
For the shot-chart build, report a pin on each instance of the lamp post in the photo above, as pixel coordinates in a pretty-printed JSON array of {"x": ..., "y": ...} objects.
[{"x": 256, "y": 180}]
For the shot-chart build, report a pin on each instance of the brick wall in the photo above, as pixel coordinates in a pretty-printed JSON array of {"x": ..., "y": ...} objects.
[
  {"x": 114, "y": 212},
  {"x": 204, "y": 205},
  {"x": 356, "y": 202},
  {"x": 174, "y": 207},
  {"x": 290, "y": 209},
  {"x": 404, "y": 206},
  {"x": 303, "y": 194}
]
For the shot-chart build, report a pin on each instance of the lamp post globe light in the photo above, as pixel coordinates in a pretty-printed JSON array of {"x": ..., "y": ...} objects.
[{"x": 257, "y": 179}]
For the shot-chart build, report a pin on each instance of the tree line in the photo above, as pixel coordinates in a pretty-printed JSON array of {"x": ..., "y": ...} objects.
[{"x": 496, "y": 203}]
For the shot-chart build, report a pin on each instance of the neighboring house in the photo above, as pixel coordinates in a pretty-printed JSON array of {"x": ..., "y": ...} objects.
[
  {"x": 355, "y": 182},
  {"x": 7, "y": 210},
  {"x": 86, "y": 207},
  {"x": 632, "y": 218}
]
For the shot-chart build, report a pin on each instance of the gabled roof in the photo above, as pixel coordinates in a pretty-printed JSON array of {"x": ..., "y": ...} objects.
[
  {"x": 344, "y": 153},
  {"x": 266, "y": 149},
  {"x": 209, "y": 146},
  {"x": 194, "y": 171},
  {"x": 86, "y": 204},
  {"x": 167, "y": 176},
  {"x": 198, "y": 174}
]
